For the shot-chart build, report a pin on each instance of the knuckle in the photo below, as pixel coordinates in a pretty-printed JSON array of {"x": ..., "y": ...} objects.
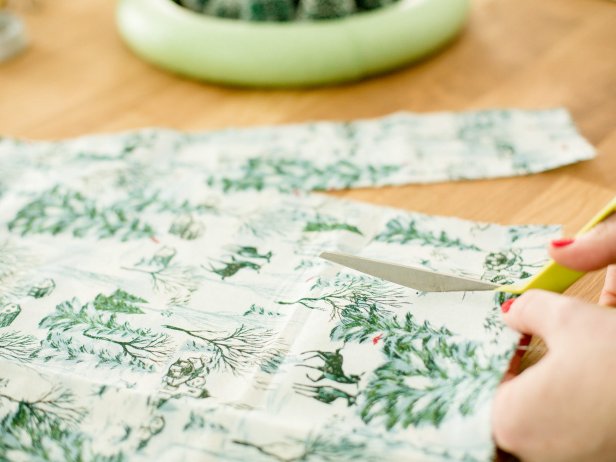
[
  {"x": 530, "y": 300},
  {"x": 558, "y": 310},
  {"x": 533, "y": 295},
  {"x": 563, "y": 313},
  {"x": 608, "y": 297}
]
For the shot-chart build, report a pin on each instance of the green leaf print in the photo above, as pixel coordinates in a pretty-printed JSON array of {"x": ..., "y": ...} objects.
[
  {"x": 517, "y": 234},
  {"x": 402, "y": 230},
  {"x": 15, "y": 262},
  {"x": 149, "y": 430},
  {"x": 78, "y": 331},
  {"x": 46, "y": 429},
  {"x": 61, "y": 210},
  {"x": 127, "y": 145},
  {"x": 17, "y": 346},
  {"x": 429, "y": 374},
  {"x": 237, "y": 351},
  {"x": 321, "y": 224},
  {"x": 334, "y": 442},
  {"x": 24, "y": 438},
  {"x": 317, "y": 447},
  {"x": 334, "y": 294},
  {"x": 420, "y": 392},
  {"x": 119, "y": 302},
  {"x": 256, "y": 310},
  {"x": 168, "y": 276},
  {"x": 287, "y": 175},
  {"x": 201, "y": 421},
  {"x": 493, "y": 322},
  {"x": 55, "y": 404}
]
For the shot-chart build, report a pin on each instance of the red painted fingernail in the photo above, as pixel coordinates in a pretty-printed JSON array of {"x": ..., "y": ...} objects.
[
  {"x": 507, "y": 304},
  {"x": 562, "y": 242}
]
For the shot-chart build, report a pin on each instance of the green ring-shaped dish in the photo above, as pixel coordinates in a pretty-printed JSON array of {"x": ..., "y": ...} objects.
[{"x": 291, "y": 53}]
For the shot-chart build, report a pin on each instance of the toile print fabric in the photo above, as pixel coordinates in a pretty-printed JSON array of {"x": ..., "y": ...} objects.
[{"x": 161, "y": 297}]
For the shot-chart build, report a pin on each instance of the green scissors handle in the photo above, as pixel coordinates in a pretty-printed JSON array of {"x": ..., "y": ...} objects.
[{"x": 557, "y": 278}]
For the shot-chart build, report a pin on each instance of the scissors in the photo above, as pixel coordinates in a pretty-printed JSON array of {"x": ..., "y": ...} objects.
[{"x": 552, "y": 276}]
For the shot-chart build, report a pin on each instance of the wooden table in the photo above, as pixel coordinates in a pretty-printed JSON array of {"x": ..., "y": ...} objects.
[{"x": 78, "y": 77}]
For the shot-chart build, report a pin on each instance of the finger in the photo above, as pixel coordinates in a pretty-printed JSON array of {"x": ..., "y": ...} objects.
[
  {"x": 608, "y": 294},
  {"x": 593, "y": 250},
  {"x": 539, "y": 312},
  {"x": 514, "y": 409}
]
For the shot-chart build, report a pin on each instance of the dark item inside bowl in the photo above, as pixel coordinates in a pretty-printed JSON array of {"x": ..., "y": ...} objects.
[{"x": 282, "y": 10}]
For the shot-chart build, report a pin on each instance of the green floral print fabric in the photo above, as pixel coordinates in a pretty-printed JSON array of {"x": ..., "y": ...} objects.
[{"x": 161, "y": 297}]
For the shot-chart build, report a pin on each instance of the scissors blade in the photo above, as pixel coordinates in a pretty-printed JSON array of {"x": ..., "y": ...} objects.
[{"x": 408, "y": 276}]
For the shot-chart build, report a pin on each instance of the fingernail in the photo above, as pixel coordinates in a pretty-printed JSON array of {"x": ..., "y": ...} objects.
[
  {"x": 507, "y": 304},
  {"x": 562, "y": 242}
]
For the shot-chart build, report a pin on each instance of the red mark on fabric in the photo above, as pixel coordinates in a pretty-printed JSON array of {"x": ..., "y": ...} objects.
[
  {"x": 376, "y": 339},
  {"x": 153, "y": 238}
]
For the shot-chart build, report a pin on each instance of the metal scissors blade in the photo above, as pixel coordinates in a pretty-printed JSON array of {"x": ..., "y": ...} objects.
[{"x": 408, "y": 276}]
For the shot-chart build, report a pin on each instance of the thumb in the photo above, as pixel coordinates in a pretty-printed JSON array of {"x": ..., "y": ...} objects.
[
  {"x": 539, "y": 312},
  {"x": 593, "y": 250}
]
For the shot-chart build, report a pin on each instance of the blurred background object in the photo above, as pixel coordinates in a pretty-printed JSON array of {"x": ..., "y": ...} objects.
[
  {"x": 12, "y": 33},
  {"x": 282, "y": 10},
  {"x": 330, "y": 42},
  {"x": 77, "y": 77}
]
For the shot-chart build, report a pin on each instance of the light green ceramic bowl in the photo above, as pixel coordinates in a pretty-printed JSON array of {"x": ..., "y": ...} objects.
[{"x": 292, "y": 53}]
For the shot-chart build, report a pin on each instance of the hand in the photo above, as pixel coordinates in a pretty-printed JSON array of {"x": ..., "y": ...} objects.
[
  {"x": 564, "y": 407},
  {"x": 592, "y": 251}
]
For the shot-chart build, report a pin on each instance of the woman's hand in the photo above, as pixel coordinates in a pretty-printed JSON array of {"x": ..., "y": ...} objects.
[
  {"x": 564, "y": 407},
  {"x": 592, "y": 251}
]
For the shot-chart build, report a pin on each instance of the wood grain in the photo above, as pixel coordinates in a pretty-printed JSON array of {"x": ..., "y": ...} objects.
[{"x": 77, "y": 77}]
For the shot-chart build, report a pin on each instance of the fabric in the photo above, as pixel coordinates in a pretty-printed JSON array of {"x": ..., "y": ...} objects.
[{"x": 161, "y": 297}]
